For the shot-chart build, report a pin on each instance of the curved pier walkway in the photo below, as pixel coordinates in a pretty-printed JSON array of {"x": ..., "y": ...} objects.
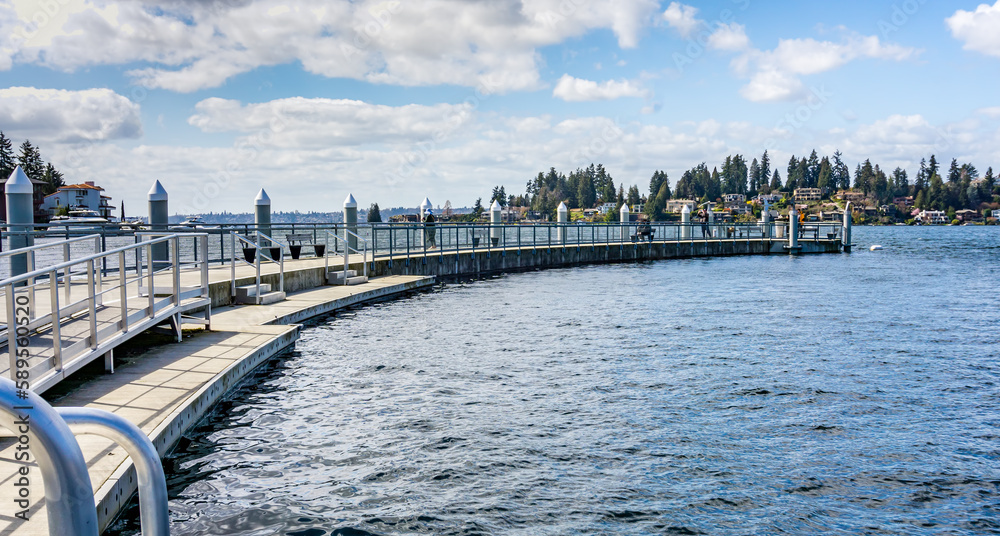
[{"x": 170, "y": 387}]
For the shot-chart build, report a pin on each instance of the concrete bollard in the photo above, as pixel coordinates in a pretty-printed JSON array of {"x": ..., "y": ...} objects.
[
  {"x": 793, "y": 229},
  {"x": 262, "y": 214},
  {"x": 351, "y": 221},
  {"x": 20, "y": 218},
  {"x": 562, "y": 219},
  {"x": 159, "y": 218},
  {"x": 496, "y": 225},
  {"x": 711, "y": 221},
  {"x": 848, "y": 221},
  {"x": 686, "y": 223},
  {"x": 623, "y": 218}
]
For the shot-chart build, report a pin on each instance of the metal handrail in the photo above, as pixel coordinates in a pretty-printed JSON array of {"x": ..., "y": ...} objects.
[
  {"x": 347, "y": 251},
  {"x": 69, "y": 499},
  {"x": 154, "y": 514},
  {"x": 259, "y": 251},
  {"x": 27, "y": 316}
]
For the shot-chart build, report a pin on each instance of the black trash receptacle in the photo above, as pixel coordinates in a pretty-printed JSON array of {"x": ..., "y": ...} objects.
[
  {"x": 295, "y": 251},
  {"x": 320, "y": 249},
  {"x": 250, "y": 254}
]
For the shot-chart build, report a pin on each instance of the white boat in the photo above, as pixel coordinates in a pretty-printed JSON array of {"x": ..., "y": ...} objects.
[
  {"x": 192, "y": 222},
  {"x": 876, "y": 247},
  {"x": 80, "y": 219}
]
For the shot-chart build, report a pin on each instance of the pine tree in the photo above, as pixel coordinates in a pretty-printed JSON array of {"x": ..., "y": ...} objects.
[
  {"x": 765, "y": 169},
  {"x": 7, "y": 162},
  {"x": 31, "y": 161},
  {"x": 53, "y": 179},
  {"x": 633, "y": 195},
  {"x": 754, "y": 177},
  {"x": 776, "y": 182},
  {"x": 954, "y": 173},
  {"x": 374, "y": 215}
]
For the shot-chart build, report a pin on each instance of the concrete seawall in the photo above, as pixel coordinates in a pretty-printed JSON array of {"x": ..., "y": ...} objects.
[{"x": 446, "y": 264}]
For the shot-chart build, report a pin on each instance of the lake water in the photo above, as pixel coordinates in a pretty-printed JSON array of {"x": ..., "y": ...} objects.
[{"x": 825, "y": 394}]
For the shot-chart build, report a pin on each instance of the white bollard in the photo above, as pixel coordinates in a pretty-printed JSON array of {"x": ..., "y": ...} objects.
[
  {"x": 793, "y": 229},
  {"x": 495, "y": 223},
  {"x": 765, "y": 220},
  {"x": 562, "y": 214},
  {"x": 351, "y": 222},
  {"x": 20, "y": 217},
  {"x": 623, "y": 218},
  {"x": 159, "y": 217},
  {"x": 686, "y": 223},
  {"x": 848, "y": 221},
  {"x": 262, "y": 214}
]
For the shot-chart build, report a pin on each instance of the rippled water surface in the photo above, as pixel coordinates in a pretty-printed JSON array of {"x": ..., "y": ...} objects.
[{"x": 826, "y": 394}]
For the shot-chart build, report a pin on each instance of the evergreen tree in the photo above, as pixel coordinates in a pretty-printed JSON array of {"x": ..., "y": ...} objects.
[
  {"x": 633, "y": 195},
  {"x": 932, "y": 169},
  {"x": 659, "y": 179},
  {"x": 900, "y": 184},
  {"x": 840, "y": 175},
  {"x": 823, "y": 180},
  {"x": 776, "y": 182},
  {"x": 989, "y": 182},
  {"x": 31, "y": 161},
  {"x": 374, "y": 215},
  {"x": 585, "y": 194},
  {"x": 954, "y": 173},
  {"x": 920, "y": 183},
  {"x": 53, "y": 179},
  {"x": 754, "y": 174},
  {"x": 477, "y": 209},
  {"x": 812, "y": 170},
  {"x": 765, "y": 171},
  {"x": 7, "y": 163}
]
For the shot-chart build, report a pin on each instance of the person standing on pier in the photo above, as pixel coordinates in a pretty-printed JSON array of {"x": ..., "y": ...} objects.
[
  {"x": 705, "y": 231},
  {"x": 430, "y": 239}
]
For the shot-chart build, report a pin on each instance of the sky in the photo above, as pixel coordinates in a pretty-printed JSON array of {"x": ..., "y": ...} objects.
[{"x": 394, "y": 101}]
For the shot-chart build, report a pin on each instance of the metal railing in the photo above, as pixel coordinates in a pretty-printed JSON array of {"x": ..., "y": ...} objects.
[
  {"x": 397, "y": 239},
  {"x": 257, "y": 249},
  {"x": 347, "y": 249},
  {"x": 69, "y": 498},
  {"x": 61, "y": 317}
]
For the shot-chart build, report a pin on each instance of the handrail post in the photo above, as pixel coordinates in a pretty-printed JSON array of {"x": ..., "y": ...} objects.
[
  {"x": 232, "y": 266},
  {"x": 176, "y": 265},
  {"x": 123, "y": 291},
  {"x": 154, "y": 513},
  {"x": 204, "y": 266},
  {"x": 69, "y": 498},
  {"x": 92, "y": 300},
  {"x": 56, "y": 322}
]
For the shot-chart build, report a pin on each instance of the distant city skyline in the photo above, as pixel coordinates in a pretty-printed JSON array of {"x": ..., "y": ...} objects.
[{"x": 397, "y": 101}]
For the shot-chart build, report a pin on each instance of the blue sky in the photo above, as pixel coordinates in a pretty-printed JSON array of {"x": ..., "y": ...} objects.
[{"x": 397, "y": 100}]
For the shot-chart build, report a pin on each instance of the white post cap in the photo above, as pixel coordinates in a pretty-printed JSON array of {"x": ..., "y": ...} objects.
[
  {"x": 686, "y": 209},
  {"x": 563, "y": 207},
  {"x": 18, "y": 183},
  {"x": 495, "y": 207},
  {"x": 157, "y": 192},
  {"x": 426, "y": 204},
  {"x": 262, "y": 198},
  {"x": 624, "y": 209},
  {"x": 350, "y": 202}
]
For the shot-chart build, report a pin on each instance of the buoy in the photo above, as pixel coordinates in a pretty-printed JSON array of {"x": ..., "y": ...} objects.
[{"x": 876, "y": 247}]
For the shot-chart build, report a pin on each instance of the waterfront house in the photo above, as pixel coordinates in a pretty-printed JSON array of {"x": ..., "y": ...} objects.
[
  {"x": 86, "y": 196},
  {"x": 966, "y": 216},
  {"x": 767, "y": 198},
  {"x": 808, "y": 194},
  {"x": 677, "y": 205},
  {"x": 996, "y": 214},
  {"x": 851, "y": 197},
  {"x": 604, "y": 208},
  {"x": 935, "y": 217},
  {"x": 734, "y": 199},
  {"x": 906, "y": 201}
]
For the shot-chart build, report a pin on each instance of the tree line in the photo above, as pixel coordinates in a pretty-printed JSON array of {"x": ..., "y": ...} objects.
[
  {"x": 30, "y": 159},
  {"x": 960, "y": 187}
]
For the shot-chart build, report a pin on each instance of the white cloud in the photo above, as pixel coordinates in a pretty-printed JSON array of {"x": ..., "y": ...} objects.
[
  {"x": 62, "y": 116},
  {"x": 304, "y": 123},
  {"x": 776, "y": 72},
  {"x": 572, "y": 89},
  {"x": 682, "y": 18},
  {"x": 977, "y": 29},
  {"x": 186, "y": 45},
  {"x": 992, "y": 111},
  {"x": 730, "y": 37}
]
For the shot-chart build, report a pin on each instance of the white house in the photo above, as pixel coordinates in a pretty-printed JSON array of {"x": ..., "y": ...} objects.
[
  {"x": 607, "y": 207},
  {"x": 84, "y": 196},
  {"x": 932, "y": 217},
  {"x": 996, "y": 214}
]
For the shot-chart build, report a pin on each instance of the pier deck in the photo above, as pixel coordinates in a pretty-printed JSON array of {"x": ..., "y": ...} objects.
[{"x": 169, "y": 388}]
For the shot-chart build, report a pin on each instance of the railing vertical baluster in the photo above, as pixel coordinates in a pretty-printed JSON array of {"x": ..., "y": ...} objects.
[
  {"x": 92, "y": 300},
  {"x": 204, "y": 268},
  {"x": 123, "y": 291},
  {"x": 56, "y": 323},
  {"x": 175, "y": 242},
  {"x": 12, "y": 331},
  {"x": 149, "y": 279}
]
